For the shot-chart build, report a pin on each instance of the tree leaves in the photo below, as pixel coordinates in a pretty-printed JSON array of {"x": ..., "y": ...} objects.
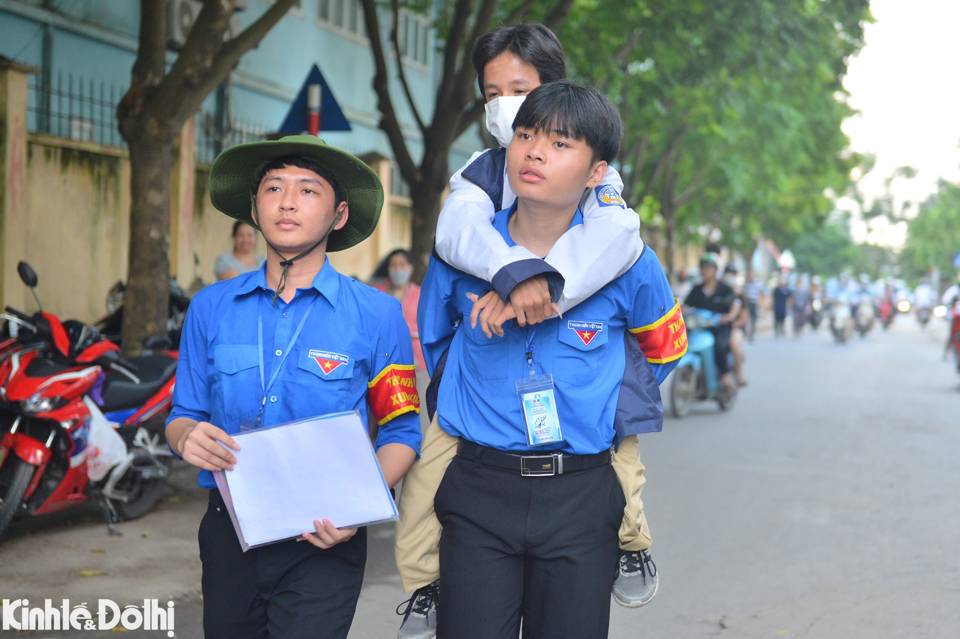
[{"x": 755, "y": 85}]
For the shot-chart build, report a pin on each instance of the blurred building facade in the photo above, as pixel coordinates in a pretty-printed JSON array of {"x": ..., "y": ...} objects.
[{"x": 65, "y": 197}]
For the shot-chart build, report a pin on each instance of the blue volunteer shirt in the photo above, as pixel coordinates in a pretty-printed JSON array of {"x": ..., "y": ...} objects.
[
  {"x": 583, "y": 350},
  {"x": 352, "y": 340}
]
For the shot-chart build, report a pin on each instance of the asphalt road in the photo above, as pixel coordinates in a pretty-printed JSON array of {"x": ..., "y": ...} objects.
[{"x": 825, "y": 504}]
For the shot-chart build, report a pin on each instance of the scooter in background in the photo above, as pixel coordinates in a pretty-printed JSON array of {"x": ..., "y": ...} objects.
[
  {"x": 841, "y": 319},
  {"x": 695, "y": 377},
  {"x": 866, "y": 314}
]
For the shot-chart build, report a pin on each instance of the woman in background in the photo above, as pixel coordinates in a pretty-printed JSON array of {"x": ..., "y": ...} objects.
[
  {"x": 393, "y": 278},
  {"x": 242, "y": 259}
]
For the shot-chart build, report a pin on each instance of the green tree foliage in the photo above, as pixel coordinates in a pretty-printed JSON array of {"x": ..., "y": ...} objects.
[
  {"x": 457, "y": 105},
  {"x": 933, "y": 236},
  {"x": 828, "y": 250},
  {"x": 732, "y": 108}
]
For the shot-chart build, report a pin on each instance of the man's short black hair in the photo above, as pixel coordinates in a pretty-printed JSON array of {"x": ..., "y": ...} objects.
[
  {"x": 574, "y": 111},
  {"x": 300, "y": 163},
  {"x": 535, "y": 44}
]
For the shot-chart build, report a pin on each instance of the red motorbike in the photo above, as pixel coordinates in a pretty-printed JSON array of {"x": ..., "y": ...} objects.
[
  {"x": 77, "y": 421},
  {"x": 954, "y": 344},
  {"x": 886, "y": 312}
]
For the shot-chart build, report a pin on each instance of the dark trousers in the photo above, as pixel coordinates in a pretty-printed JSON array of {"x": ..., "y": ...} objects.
[
  {"x": 753, "y": 312},
  {"x": 283, "y": 591},
  {"x": 541, "y": 550},
  {"x": 721, "y": 348},
  {"x": 779, "y": 317}
]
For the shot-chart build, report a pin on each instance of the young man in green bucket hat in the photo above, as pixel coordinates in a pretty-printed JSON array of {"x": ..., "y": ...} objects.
[{"x": 293, "y": 340}]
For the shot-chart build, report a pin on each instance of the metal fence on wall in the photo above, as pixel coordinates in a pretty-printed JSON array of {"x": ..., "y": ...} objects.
[
  {"x": 212, "y": 138},
  {"x": 70, "y": 107}
]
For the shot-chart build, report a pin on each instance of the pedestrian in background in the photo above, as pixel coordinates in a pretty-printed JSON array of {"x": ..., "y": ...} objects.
[
  {"x": 753, "y": 290},
  {"x": 781, "y": 297},
  {"x": 738, "y": 326},
  {"x": 801, "y": 305},
  {"x": 242, "y": 259},
  {"x": 392, "y": 276}
]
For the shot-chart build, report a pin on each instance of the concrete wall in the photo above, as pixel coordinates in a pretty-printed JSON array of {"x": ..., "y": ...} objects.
[
  {"x": 76, "y": 232},
  {"x": 75, "y": 229}
]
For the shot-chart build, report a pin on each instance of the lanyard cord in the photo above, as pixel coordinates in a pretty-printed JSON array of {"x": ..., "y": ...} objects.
[
  {"x": 529, "y": 334},
  {"x": 276, "y": 372}
]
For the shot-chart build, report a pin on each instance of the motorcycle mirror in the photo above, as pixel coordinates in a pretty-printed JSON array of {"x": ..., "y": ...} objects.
[
  {"x": 29, "y": 277},
  {"x": 27, "y": 274}
]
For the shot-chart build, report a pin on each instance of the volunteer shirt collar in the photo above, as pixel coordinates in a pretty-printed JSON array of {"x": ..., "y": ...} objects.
[
  {"x": 502, "y": 220},
  {"x": 326, "y": 282}
]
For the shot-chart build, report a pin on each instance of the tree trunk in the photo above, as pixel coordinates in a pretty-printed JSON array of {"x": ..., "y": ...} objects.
[
  {"x": 425, "y": 197},
  {"x": 148, "y": 279}
]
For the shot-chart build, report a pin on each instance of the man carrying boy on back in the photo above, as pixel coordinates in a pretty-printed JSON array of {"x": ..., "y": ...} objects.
[
  {"x": 531, "y": 506},
  {"x": 510, "y": 62}
]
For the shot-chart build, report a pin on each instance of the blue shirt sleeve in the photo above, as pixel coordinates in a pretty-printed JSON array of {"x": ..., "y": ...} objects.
[
  {"x": 394, "y": 347},
  {"x": 655, "y": 320},
  {"x": 191, "y": 393}
]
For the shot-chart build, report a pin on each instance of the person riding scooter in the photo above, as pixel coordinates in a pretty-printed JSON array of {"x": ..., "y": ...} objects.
[{"x": 715, "y": 296}]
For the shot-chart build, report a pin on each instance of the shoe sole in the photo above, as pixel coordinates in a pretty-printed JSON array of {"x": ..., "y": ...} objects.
[{"x": 637, "y": 604}]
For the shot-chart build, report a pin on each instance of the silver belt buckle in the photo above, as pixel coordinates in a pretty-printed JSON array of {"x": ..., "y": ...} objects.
[{"x": 541, "y": 465}]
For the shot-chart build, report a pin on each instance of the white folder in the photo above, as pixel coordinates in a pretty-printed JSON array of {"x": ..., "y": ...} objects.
[{"x": 289, "y": 475}]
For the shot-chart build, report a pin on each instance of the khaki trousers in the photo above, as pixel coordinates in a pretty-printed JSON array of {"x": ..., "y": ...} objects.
[{"x": 417, "y": 548}]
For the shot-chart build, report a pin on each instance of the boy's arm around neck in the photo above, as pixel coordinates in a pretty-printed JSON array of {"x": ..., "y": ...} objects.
[
  {"x": 467, "y": 240},
  {"x": 604, "y": 247}
]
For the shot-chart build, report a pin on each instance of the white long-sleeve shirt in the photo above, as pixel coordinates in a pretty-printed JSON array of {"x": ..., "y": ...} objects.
[{"x": 587, "y": 257}]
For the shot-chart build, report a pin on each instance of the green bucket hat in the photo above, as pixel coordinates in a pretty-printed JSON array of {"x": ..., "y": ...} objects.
[{"x": 233, "y": 172}]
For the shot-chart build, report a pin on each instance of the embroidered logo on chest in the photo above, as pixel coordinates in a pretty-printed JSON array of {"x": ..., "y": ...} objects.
[
  {"x": 586, "y": 331},
  {"x": 327, "y": 361}
]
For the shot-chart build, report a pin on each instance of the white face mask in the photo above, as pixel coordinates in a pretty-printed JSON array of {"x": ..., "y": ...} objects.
[
  {"x": 400, "y": 278},
  {"x": 501, "y": 112}
]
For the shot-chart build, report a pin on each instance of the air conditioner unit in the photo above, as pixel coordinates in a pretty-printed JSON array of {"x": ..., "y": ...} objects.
[{"x": 183, "y": 13}]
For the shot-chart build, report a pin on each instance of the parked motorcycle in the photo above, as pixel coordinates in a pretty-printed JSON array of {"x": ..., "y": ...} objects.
[
  {"x": 77, "y": 421},
  {"x": 111, "y": 324},
  {"x": 841, "y": 319},
  {"x": 695, "y": 377}
]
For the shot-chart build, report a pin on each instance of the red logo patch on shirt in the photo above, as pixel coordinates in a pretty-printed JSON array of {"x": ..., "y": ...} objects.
[
  {"x": 586, "y": 331},
  {"x": 328, "y": 362}
]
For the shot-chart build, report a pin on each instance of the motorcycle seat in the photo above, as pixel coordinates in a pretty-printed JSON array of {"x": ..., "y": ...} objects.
[{"x": 120, "y": 392}]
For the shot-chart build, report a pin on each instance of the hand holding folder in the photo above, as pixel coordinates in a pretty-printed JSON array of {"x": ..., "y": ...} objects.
[{"x": 290, "y": 475}]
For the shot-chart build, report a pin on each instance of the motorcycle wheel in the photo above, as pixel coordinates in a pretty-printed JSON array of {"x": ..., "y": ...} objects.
[
  {"x": 726, "y": 398},
  {"x": 14, "y": 479},
  {"x": 683, "y": 388},
  {"x": 145, "y": 492}
]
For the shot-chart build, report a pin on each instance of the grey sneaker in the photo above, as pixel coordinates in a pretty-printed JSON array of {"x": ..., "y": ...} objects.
[
  {"x": 420, "y": 618},
  {"x": 637, "y": 580}
]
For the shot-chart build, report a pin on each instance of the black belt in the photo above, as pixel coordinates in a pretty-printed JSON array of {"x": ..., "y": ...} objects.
[{"x": 531, "y": 465}]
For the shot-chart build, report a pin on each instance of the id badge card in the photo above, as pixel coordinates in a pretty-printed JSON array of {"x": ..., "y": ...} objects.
[{"x": 538, "y": 404}]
